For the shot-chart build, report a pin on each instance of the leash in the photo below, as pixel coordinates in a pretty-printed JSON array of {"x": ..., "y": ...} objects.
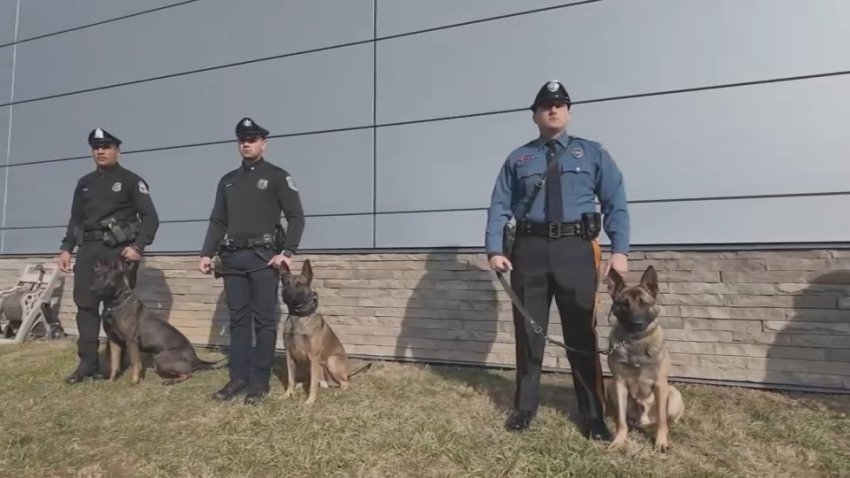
[
  {"x": 539, "y": 330},
  {"x": 232, "y": 272}
]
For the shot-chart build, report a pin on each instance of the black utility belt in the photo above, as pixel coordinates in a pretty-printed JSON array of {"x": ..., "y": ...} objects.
[
  {"x": 93, "y": 235},
  {"x": 587, "y": 228},
  {"x": 266, "y": 241}
]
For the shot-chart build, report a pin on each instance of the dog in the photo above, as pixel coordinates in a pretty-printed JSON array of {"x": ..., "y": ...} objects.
[
  {"x": 639, "y": 362},
  {"x": 308, "y": 338},
  {"x": 128, "y": 323}
]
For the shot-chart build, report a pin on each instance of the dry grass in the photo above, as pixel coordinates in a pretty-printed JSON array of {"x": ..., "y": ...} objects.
[{"x": 396, "y": 420}]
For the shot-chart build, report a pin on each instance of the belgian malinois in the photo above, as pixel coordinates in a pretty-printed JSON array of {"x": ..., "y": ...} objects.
[
  {"x": 308, "y": 338},
  {"x": 639, "y": 362},
  {"x": 129, "y": 324}
]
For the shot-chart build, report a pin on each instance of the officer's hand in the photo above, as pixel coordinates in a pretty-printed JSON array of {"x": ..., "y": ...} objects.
[
  {"x": 131, "y": 254},
  {"x": 205, "y": 265},
  {"x": 279, "y": 259},
  {"x": 500, "y": 263},
  {"x": 64, "y": 261},
  {"x": 619, "y": 262}
]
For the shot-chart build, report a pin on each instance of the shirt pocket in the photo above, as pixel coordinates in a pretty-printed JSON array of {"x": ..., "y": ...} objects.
[
  {"x": 577, "y": 178},
  {"x": 527, "y": 177}
]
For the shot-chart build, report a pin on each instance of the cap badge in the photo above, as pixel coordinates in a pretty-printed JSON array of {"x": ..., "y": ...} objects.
[
  {"x": 98, "y": 133},
  {"x": 553, "y": 86},
  {"x": 246, "y": 123}
]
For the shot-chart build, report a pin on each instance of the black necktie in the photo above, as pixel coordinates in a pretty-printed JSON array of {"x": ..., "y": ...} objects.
[{"x": 554, "y": 206}]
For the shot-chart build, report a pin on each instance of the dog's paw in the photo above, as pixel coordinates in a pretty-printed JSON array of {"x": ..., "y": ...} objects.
[
  {"x": 661, "y": 445},
  {"x": 618, "y": 442}
]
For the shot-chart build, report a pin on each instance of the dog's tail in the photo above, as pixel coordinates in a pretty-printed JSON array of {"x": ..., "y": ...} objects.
[
  {"x": 204, "y": 365},
  {"x": 361, "y": 369}
]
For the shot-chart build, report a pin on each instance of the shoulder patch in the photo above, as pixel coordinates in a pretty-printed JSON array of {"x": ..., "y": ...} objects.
[
  {"x": 291, "y": 182},
  {"x": 143, "y": 188}
]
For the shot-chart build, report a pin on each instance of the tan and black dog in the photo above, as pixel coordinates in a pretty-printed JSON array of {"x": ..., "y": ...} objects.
[
  {"x": 308, "y": 338},
  {"x": 639, "y": 394},
  {"x": 128, "y": 323}
]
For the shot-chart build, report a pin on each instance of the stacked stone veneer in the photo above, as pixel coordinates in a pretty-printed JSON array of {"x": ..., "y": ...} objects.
[{"x": 766, "y": 318}]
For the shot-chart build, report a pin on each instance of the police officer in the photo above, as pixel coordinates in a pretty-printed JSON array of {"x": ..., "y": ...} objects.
[
  {"x": 555, "y": 253},
  {"x": 112, "y": 215},
  {"x": 248, "y": 205}
]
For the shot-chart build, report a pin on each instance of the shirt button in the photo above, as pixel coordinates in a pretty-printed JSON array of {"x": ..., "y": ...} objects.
[{"x": 578, "y": 168}]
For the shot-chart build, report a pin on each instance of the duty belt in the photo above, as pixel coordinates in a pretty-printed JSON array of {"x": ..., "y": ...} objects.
[
  {"x": 96, "y": 235},
  {"x": 552, "y": 230},
  {"x": 263, "y": 241}
]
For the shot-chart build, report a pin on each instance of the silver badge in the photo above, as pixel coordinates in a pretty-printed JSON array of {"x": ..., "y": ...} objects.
[
  {"x": 291, "y": 182},
  {"x": 143, "y": 188},
  {"x": 116, "y": 187},
  {"x": 553, "y": 86},
  {"x": 246, "y": 123},
  {"x": 98, "y": 133},
  {"x": 577, "y": 152},
  {"x": 262, "y": 184}
]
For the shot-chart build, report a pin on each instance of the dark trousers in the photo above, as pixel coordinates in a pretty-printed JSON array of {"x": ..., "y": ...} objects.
[
  {"x": 251, "y": 301},
  {"x": 88, "y": 303},
  {"x": 564, "y": 269}
]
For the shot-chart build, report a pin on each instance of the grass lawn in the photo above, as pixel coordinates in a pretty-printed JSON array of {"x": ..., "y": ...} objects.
[{"x": 396, "y": 420}]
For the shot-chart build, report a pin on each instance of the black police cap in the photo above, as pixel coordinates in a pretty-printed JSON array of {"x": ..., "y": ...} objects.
[
  {"x": 100, "y": 137},
  {"x": 552, "y": 92},
  {"x": 246, "y": 127}
]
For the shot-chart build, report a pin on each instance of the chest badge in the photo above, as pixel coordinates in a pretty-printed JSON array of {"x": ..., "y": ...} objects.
[
  {"x": 262, "y": 184},
  {"x": 116, "y": 187},
  {"x": 577, "y": 152}
]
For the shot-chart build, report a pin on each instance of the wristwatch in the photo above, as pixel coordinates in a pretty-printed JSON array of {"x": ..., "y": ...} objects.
[{"x": 287, "y": 253}]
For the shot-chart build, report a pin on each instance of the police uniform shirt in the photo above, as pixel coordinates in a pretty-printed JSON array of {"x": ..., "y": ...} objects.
[
  {"x": 248, "y": 203},
  {"x": 587, "y": 171},
  {"x": 113, "y": 192}
]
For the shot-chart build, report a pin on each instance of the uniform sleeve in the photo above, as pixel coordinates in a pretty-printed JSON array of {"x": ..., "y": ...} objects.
[
  {"x": 140, "y": 195},
  {"x": 289, "y": 200},
  {"x": 500, "y": 211},
  {"x": 217, "y": 224},
  {"x": 611, "y": 190},
  {"x": 76, "y": 220}
]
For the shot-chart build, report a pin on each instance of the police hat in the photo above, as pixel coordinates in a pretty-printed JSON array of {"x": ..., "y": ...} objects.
[
  {"x": 246, "y": 128},
  {"x": 552, "y": 92},
  {"x": 100, "y": 137}
]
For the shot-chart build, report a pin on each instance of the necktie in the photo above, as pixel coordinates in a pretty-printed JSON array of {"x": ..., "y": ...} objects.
[{"x": 554, "y": 206}]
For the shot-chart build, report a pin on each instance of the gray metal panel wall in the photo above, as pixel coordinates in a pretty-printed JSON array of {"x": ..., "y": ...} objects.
[{"x": 699, "y": 102}]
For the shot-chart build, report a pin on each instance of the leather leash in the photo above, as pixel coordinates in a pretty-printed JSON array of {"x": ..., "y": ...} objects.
[{"x": 539, "y": 330}]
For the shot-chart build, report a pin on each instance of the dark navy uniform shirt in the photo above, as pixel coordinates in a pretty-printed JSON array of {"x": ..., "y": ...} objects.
[
  {"x": 248, "y": 203},
  {"x": 114, "y": 192},
  {"x": 587, "y": 172}
]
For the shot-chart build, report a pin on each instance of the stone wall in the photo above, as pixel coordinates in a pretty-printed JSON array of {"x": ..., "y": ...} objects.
[{"x": 763, "y": 318}]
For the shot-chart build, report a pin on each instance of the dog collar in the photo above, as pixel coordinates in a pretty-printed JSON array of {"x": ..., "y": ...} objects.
[{"x": 308, "y": 308}]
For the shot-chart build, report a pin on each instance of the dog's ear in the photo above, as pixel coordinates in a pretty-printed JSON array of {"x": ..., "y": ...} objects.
[
  {"x": 307, "y": 271},
  {"x": 649, "y": 281},
  {"x": 616, "y": 284}
]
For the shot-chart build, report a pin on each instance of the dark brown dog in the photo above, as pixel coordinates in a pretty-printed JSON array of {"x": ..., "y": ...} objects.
[
  {"x": 128, "y": 323},
  {"x": 308, "y": 338},
  {"x": 639, "y": 362}
]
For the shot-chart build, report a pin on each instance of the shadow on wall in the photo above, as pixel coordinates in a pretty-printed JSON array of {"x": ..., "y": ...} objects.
[
  {"x": 452, "y": 317},
  {"x": 812, "y": 348}
]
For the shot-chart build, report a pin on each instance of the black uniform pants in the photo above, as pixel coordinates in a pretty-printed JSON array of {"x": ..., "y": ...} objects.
[
  {"x": 251, "y": 301},
  {"x": 564, "y": 269},
  {"x": 88, "y": 303}
]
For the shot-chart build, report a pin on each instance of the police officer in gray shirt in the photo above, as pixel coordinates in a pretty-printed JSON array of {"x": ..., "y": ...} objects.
[{"x": 555, "y": 253}]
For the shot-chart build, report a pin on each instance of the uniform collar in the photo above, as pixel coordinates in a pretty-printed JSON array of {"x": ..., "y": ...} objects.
[
  {"x": 246, "y": 166},
  {"x": 109, "y": 170},
  {"x": 563, "y": 139}
]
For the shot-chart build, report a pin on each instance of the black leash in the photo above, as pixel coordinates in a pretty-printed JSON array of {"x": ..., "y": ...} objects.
[
  {"x": 225, "y": 272},
  {"x": 539, "y": 330}
]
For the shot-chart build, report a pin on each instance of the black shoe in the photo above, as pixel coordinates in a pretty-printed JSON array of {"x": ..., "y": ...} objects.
[
  {"x": 597, "y": 430},
  {"x": 255, "y": 394},
  {"x": 519, "y": 420},
  {"x": 230, "y": 390},
  {"x": 82, "y": 374}
]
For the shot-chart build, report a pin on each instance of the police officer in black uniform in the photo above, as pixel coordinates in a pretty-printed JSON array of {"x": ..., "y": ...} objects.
[
  {"x": 555, "y": 253},
  {"x": 248, "y": 205},
  {"x": 112, "y": 215}
]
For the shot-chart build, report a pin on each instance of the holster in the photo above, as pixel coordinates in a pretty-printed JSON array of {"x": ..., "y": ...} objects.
[
  {"x": 591, "y": 225},
  {"x": 116, "y": 233},
  {"x": 508, "y": 240}
]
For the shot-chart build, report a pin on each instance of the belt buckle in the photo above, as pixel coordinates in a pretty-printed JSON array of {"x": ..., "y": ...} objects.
[{"x": 554, "y": 230}]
